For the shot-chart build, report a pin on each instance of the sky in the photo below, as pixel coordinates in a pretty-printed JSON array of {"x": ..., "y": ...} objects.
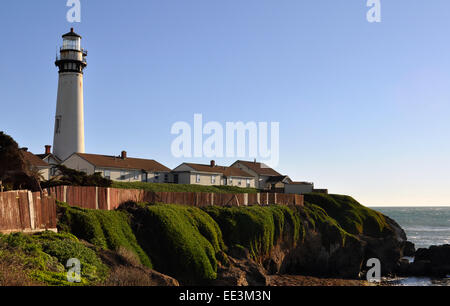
[{"x": 363, "y": 107}]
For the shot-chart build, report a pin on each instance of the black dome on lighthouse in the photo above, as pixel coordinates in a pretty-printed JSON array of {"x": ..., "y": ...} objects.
[{"x": 71, "y": 34}]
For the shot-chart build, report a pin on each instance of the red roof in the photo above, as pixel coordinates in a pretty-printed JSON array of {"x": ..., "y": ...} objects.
[
  {"x": 259, "y": 168},
  {"x": 226, "y": 171},
  {"x": 127, "y": 163},
  {"x": 33, "y": 160}
]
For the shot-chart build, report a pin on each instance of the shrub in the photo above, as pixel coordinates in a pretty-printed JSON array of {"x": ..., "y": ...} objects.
[
  {"x": 181, "y": 241},
  {"x": 73, "y": 177},
  {"x": 42, "y": 258},
  {"x": 353, "y": 217},
  {"x": 156, "y": 187},
  {"x": 106, "y": 229},
  {"x": 257, "y": 228}
]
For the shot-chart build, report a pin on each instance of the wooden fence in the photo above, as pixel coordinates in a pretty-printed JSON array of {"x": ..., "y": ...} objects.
[
  {"x": 25, "y": 211},
  {"x": 112, "y": 198}
]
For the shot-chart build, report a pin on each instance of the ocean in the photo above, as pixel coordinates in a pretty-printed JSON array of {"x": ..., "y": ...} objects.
[{"x": 424, "y": 226}]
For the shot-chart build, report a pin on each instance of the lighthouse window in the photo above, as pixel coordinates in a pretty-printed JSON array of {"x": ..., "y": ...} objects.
[
  {"x": 71, "y": 44},
  {"x": 58, "y": 125}
]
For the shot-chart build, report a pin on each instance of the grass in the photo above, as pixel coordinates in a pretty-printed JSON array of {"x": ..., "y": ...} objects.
[
  {"x": 257, "y": 228},
  {"x": 181, "y": 241},
  {"x": 352, "y": 217},
  {"x": 109, "y": 230},
  {"x": 156, "y": 187},
  {"x": 42, "y": 258}
]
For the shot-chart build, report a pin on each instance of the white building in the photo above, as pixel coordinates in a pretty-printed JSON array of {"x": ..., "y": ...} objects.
[
  {"x": 50, "y": 159},
  {"x": 34, "y": 162},
  {"x": 119, "y": 168},
  {"x": 211, "y": 175},
  {"x": 265, "y": 177}
]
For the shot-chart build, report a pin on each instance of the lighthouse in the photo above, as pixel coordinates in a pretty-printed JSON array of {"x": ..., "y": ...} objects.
[{"x": 69, "y": 119}]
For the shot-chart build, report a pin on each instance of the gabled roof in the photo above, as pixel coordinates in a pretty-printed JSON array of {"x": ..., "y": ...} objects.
[
  {"x": 279, "y": 179},
  {"x": 33, "y": 160},
  {"x": 226, "y": 171},
  {"x": 301, "y": 183},
  {"x": 44, "y": 156},
  {"x": 116, "y": 162},
  {"x": 259, "y": 168}
]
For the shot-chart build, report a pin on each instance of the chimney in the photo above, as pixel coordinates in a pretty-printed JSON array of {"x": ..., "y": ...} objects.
[
  {"x": 48, "y": 149},
  {"x": 123, "y": 155},
  {"x": 213, "y": 163}
]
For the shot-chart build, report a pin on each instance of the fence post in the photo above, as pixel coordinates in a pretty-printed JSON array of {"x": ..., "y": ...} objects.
[
  {"x": 31, "y": 209},
  {"x": 275, "y": 198},
  {"x": 65, "y": 194},
  {"x": 96, "y": 198},
  {"x": 258, "y": 198},
  {"x": 246, "y": 199},
  {"x": 108, "y": 204}
]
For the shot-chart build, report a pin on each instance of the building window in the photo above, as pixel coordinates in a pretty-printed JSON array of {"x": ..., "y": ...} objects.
[
  {"x": 144, "y": 177},
  {"x": 166, "y": 178},
  {"x": 156, "y": 176},
  {"x": 136, "y": 175},
  {"x": 198, "y": 178},
  {"x": 122, "y": 175},
  {"x": 248, "y": 183},
  {"x": 213, "y": 179},
  {"x": 58, "y": 125},
  {"x": 107, "y": 174},
  {"x": 230, "y": 181},
  {"x": 240, "y": 182}
]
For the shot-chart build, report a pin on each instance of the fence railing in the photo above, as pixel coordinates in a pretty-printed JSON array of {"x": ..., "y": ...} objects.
[
  {"x": 112, "y": 198},
  {"x": 25, "y": 211}
]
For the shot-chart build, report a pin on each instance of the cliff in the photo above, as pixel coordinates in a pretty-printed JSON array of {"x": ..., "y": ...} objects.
[{"x": 331, "y": 236}]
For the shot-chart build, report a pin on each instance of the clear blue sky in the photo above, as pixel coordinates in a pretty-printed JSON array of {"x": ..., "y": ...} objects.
[{"x": 363, "y": 108}]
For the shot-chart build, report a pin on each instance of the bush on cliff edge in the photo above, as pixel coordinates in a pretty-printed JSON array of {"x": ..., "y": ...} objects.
[
  {"x": 353, "y": 217},
  {"x": 182, "y": 241},
  {"x": 257, "y": 228},
  {"x": 109, "y": 230}
]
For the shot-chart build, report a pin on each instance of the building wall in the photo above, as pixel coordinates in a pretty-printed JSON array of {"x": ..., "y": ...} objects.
[
  {"x": 256, "y": 177},
  {"x": 120, "y": 175},
  {"x": 298, "y": 189},
  {"x": 205, "y": 179},
  {"x": 45, "y": 172},
  {"x": 77, "y": 163},
  {"x": 184, "y": 178},
  {"x": 127, "y": 175}
]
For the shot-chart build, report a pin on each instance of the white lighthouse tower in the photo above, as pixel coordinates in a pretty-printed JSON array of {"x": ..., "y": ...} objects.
[{"x": 69, "y": 120}]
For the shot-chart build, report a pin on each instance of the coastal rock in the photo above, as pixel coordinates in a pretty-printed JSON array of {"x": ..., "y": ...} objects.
[
  {"x": 419, "y": 268},
  {"x": 409, "y": 249},
  {"x": 241, "y": 272},
  {"x": 315, "y": 258},
  {"x": 438, "y": 259}
]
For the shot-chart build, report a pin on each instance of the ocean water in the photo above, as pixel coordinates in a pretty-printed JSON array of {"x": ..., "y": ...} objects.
[{"x": 424, "y": 226}]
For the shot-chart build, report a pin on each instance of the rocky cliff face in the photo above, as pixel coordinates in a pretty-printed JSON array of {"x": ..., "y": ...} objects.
[
  {"x": 324, "y": 253},
  {"x": 331, "y": 236},
  {"x": 327, "y": 248}
]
